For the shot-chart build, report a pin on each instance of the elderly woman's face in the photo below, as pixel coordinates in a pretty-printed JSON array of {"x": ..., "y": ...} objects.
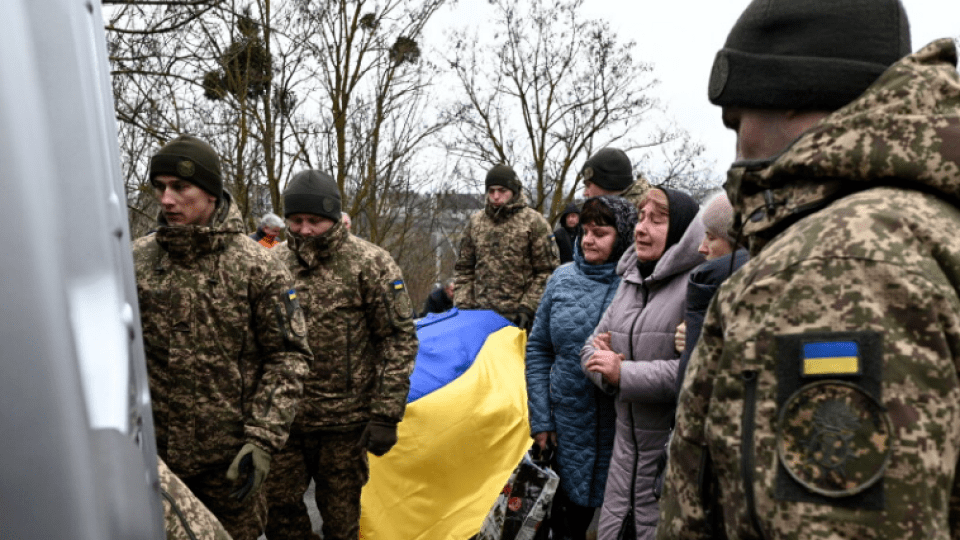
[
  {"x": 650, "y": 235},
  {"x": 713, "y": 246}
]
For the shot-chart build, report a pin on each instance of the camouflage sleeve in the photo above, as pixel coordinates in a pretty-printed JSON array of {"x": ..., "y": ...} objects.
[
  {"x": 465, "y": 269},
  {"x": 955, "y": 505},
  {"x": 281, "y": 336},
  {"x": 184, "y": 516},
  {"x": 544, "y": 259},
  {"x": 682, "y": 505},
  {"x": 390, "y": 318}
]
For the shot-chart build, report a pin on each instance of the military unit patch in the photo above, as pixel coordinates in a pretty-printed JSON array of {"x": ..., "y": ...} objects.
[
  {"x": 400, "y": 307},
  {"x": 292, "y": 314},
  {"x": 834, "y": 439},
  {"x": 186, "y": 169},
  {"x": 833, "y": 433}
]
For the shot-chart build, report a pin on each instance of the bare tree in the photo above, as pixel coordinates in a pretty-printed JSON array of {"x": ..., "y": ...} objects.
[
  {"x": 376, "y": 96},
  {"x": 280, "y": 86},
  {"x": 680, "y": 164},
  {"x": 146, "y": 52},
  {"x": 258, "y": 80},
  {"x": 229, "y": 74},
  {"x": 555, "y": 89}
]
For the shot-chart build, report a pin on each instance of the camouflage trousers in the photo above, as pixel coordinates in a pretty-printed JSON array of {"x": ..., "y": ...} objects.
[
  {"x": 338, "y": 467},
  {"x": 244, "y": 521}
]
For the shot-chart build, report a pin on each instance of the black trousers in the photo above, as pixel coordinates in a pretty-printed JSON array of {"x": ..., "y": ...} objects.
[{"x": 568, "y": 520}]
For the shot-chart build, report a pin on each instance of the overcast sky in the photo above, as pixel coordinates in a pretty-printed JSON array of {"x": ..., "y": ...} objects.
[{"x": 681, "y": 37}]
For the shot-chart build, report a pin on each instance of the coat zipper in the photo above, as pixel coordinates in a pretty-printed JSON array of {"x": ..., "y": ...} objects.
[
  {"x": 633, "y": 431},
  {"x": 747, "y": 445},
  {"x": 631, "y": 514},
  {"x": 348, "y": 374}
]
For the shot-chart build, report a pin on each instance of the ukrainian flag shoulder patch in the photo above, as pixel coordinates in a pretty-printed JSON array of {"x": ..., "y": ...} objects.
[
  {"x": 831, "y": 358},
  {"x": 398, "y": 285},
  {"x": 292, "y": 294}
]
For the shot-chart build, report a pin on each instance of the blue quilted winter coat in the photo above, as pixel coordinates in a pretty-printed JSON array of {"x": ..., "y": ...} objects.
[{"x": 560, "y": 396}]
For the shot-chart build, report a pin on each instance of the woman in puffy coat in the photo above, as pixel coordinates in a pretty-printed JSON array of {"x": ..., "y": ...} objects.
[
  {"x": 566, "y": 409},
  {"x": 631, "y": 356}
]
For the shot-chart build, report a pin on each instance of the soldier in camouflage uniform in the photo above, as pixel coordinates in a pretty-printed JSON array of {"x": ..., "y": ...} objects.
[
  {"x": 361, "y": 328},
  {"x": 822, "y": 400},
  {"x": 225, "y": 342},
  {"x": 609, "y": 172},
  {"x": 507, "y": 253},
  {"x": 184, "y": 516}
]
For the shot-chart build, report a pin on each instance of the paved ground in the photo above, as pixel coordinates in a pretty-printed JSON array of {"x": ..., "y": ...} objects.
[
  {"x": 316, "y": 521},
  {"x": 312, "y": 508}
]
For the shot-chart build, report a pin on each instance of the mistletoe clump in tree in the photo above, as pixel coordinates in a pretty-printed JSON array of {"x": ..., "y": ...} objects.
[{"x": 245, "y": 66}]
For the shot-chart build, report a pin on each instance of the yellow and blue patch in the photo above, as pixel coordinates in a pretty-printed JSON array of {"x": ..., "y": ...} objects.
[
  {"x": 831, "y": 358},
  {"x": 398, "y": 285},
  {"x": 292, "y": 294}
]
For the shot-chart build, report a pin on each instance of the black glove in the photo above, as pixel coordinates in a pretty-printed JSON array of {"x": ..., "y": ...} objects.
[
  {"x": 253, "y": 463},
  {"x": 524, "y": 319},
  {"x": 379, "y": 437}
]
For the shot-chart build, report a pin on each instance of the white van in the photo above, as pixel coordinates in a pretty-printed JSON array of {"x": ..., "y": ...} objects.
[{"x": 77, "y": 454}]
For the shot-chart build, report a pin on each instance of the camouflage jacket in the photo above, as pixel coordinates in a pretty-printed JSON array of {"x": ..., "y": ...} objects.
[
  {"x": 824, "y": 388},
  {"x": 636, "y": 191},
  {"x": 184, "y": 516},
  {"x": 506, "y": 257},
  {"x": 361, "y": 329},
  {"x": 226, "y": 346}
]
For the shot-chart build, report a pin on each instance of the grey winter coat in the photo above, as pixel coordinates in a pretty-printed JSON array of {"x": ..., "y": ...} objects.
[{"x": 643, "y": 319}]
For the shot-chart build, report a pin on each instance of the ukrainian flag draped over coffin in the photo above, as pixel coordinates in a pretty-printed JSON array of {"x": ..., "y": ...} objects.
[{"x": 465, "y": 429}]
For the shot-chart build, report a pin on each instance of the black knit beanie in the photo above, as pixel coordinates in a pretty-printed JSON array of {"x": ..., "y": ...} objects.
[
  {"x": 808, "y": 54},
  {"x": 504, "y": 176},
  {"x": 191, "y": 159},
  {"x": 312, "y": 192},
  {"x": 609, "y": 168}
]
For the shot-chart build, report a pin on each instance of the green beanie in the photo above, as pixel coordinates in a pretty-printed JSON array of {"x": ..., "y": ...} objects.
[
  {"x": 312, "y": 192},
  {"x": 191, "y": 159},
  {"x": 807, "y": 54},
  {"x": 609, "y": 168},
  {"x": 504, "y": 176}
]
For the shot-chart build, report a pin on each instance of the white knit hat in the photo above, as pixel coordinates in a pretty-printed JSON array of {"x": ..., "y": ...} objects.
[{"x": 718, "y": 217}]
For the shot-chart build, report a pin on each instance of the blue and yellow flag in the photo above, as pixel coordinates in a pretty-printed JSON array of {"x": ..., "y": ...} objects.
[
  {"x": 464, "y": 431},
  {"x": 831, "y": 358}
]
